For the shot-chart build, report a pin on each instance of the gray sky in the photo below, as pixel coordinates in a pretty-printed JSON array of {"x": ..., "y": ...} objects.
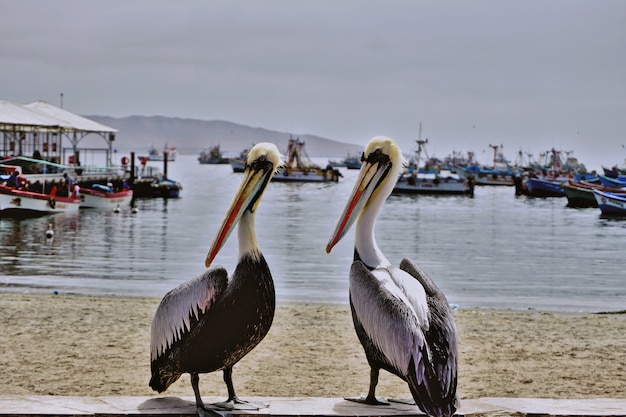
[{"x": 530, "y": 75}]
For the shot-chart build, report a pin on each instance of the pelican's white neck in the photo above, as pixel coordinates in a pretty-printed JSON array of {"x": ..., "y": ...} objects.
[
  {"x": 247, "y": 235},
  {"x": 365, "y": 242}
]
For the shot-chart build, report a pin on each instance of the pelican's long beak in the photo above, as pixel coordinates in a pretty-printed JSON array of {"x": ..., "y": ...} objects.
[
  {"x": 366, "y": 187},
  {"x": 246, "y": 198}
]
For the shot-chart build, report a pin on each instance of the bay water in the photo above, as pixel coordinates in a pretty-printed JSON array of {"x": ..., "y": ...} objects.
[{"x": 494, "y": 250}]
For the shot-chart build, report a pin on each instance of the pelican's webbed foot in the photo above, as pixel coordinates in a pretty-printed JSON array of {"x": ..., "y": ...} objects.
[
  {"x": 237, "y": 404},
  {"x": 368, "y": 400}
]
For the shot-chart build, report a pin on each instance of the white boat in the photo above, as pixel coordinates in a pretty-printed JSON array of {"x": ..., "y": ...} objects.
[
  {"x": 444, "y": 182},
  {"x": 21, "y": 203},
  {"x": 429, "y": 179},
  {"x": 104, "y": 198},
  {"x": 610, "y": 204},
  {"x": 300, "y": 168},
  {"x": 155, "y": 155}
]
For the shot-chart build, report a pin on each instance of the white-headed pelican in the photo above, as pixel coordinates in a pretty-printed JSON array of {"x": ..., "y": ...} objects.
[
  {"x": 402, "y": 319},
  {"x": 211, "y": 322}
]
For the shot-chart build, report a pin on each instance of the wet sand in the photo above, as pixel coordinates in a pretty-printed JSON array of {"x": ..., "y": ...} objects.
[{"x": 85, "y": 345}]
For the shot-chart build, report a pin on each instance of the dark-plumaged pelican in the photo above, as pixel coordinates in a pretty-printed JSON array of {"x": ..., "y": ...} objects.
[
  {"x": 401, "y": 318},
  {"x": 211, "y": 322}
]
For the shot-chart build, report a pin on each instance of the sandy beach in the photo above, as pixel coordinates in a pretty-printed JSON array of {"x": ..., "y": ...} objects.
[{"x": 86, "y": 345}]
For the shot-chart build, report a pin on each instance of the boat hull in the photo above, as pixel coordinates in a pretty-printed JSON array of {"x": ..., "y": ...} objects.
[
  {"x": 610, "y": 204},
  {"x": 538, "y": 187},
  {"x": 22, "y": 204},
  {"x": 424, "y": 185},
  {"x": 93, "y": 199},
  {"x": 298, "y": 175}
]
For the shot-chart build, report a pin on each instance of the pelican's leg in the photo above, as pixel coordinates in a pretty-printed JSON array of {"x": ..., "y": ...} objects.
[
  {"x": 200, "y": 408},
  {"x": 371, "y": 395},
  {"x": 233, "y": 402}
]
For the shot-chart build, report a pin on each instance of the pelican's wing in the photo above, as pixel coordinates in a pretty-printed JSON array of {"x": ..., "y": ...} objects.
[
  {"x": 174, "y": 314},
  {"x": 386, "y": 316},
  {"x": 441, "y": 338},
  {"x": 415, "y": 271}
]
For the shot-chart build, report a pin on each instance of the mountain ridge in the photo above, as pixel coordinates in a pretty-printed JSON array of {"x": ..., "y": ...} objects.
[{"x": 190, "y": 136}]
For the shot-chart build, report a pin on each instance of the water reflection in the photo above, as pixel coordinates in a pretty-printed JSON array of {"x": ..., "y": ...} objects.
[{"x": 494, "y": 250}]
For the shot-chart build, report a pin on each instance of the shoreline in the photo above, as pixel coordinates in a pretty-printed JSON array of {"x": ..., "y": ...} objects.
[{"x": 99, "y": 345}]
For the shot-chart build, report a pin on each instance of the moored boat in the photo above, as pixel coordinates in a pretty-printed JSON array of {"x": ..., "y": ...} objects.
[
  {"x": 103, "y": 197},
  {"x": 544, "y": 187},
  {"x": 580, "y": 194},
  {"x": 212, "y": 156},
  {"x": 22, "y": 203},
  {"x": 155, "y": 155},
  {"x": 444, "y": 182},
  {"x": 619, "y": 182},
  {"x": 611, "y": 204},
  {"x": 300, "y": 168}
]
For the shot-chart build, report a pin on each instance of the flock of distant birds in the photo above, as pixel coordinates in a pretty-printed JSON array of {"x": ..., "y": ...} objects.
[{"x": 401, "y": 318}]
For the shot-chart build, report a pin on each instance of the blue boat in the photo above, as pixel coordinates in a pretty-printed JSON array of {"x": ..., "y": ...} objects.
[
  {"x": 611, "y": 204},
  {"x": 541, "y": 187},
  {"x": 619, "y": 182}
]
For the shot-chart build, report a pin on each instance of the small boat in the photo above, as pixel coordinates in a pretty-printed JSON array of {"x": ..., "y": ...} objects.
[
  {"x": 18, "y": 203},
  {"x": 300, "y": 168},
  {"x": 155, "y": 155},
  {"x": 239, "y": 164},
  {"x": 487, "y": 176},
  {"x": 212, "y": 156},
  {"x": 544, "y": 187},
  {"x": 444, "y": 182},
  {"x": 105, "y": 198},
  {"x": 618, "y": 182},
  {"x": 430, "y": 180},
  {"x": 166, "y": 188},
  {"x": 350, "y": 162},
  {"x": 580, "y": 193},
  {"x": 611, "y": 204}
]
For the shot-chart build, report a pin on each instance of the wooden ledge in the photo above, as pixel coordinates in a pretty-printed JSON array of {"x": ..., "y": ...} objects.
[{"x": 62, "y": 406}]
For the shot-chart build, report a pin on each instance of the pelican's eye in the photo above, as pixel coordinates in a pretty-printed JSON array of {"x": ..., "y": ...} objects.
[
  {"x": 377, "y": 156},
  {"x": 262, "y": 158}
]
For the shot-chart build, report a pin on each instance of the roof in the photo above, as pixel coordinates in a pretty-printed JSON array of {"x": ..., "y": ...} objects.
[
  {"x": 16, "y": 114},
  {"x": 69, "y": 120}
]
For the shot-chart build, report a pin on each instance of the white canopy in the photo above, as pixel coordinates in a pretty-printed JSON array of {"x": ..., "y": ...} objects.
[
  {"x": 18, "y": 115},
  {"x": 68, "y": 120}
]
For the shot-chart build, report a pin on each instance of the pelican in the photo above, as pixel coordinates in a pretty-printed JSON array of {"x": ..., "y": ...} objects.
[
  {"x": 211, "y": 322},
  {"x": 401, "y": 318}
]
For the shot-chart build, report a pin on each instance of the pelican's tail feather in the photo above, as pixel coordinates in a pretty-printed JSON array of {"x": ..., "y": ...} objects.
[{"x": 426, "y": 389}]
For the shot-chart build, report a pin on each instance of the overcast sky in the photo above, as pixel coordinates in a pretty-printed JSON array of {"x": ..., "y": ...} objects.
[{"x": 530, "y": 75}]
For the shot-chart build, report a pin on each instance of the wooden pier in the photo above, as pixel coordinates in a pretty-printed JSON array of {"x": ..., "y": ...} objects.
[{"x": 163, "y": 406}]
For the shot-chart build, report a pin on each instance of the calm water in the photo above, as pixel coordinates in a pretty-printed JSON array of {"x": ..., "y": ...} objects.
[{"x": 491, "y": 251}]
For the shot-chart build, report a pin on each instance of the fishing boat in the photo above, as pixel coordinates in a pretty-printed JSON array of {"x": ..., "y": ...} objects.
[
  {"x": 618, "y": 182},
  {"x": 444, "y": 182},
  {"x": 155, "y": 155},
  {"x": 611, "y": 204},
  {"x": 580, "y": 193},
  {"x": 544, "y": 187},
  {"x": 499, "y": 174},
  {"x": 429, "y": 179},
  {"x": 300, "y": 168},
  {"x": 350, "y": 162},
  {"x": 103, "y": 197},
  {"x": 18, "y": 203},
  {"x": 238, "y": 164},
  {"x": 212, "y": 156}
]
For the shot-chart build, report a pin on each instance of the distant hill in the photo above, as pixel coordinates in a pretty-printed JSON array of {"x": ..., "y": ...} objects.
[{"x": 190, "y": 136}]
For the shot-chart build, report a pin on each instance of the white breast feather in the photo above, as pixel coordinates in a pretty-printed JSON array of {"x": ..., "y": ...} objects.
[
  {"x": 398, "y": 333},
  {"x": 172, "y": 318}
]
